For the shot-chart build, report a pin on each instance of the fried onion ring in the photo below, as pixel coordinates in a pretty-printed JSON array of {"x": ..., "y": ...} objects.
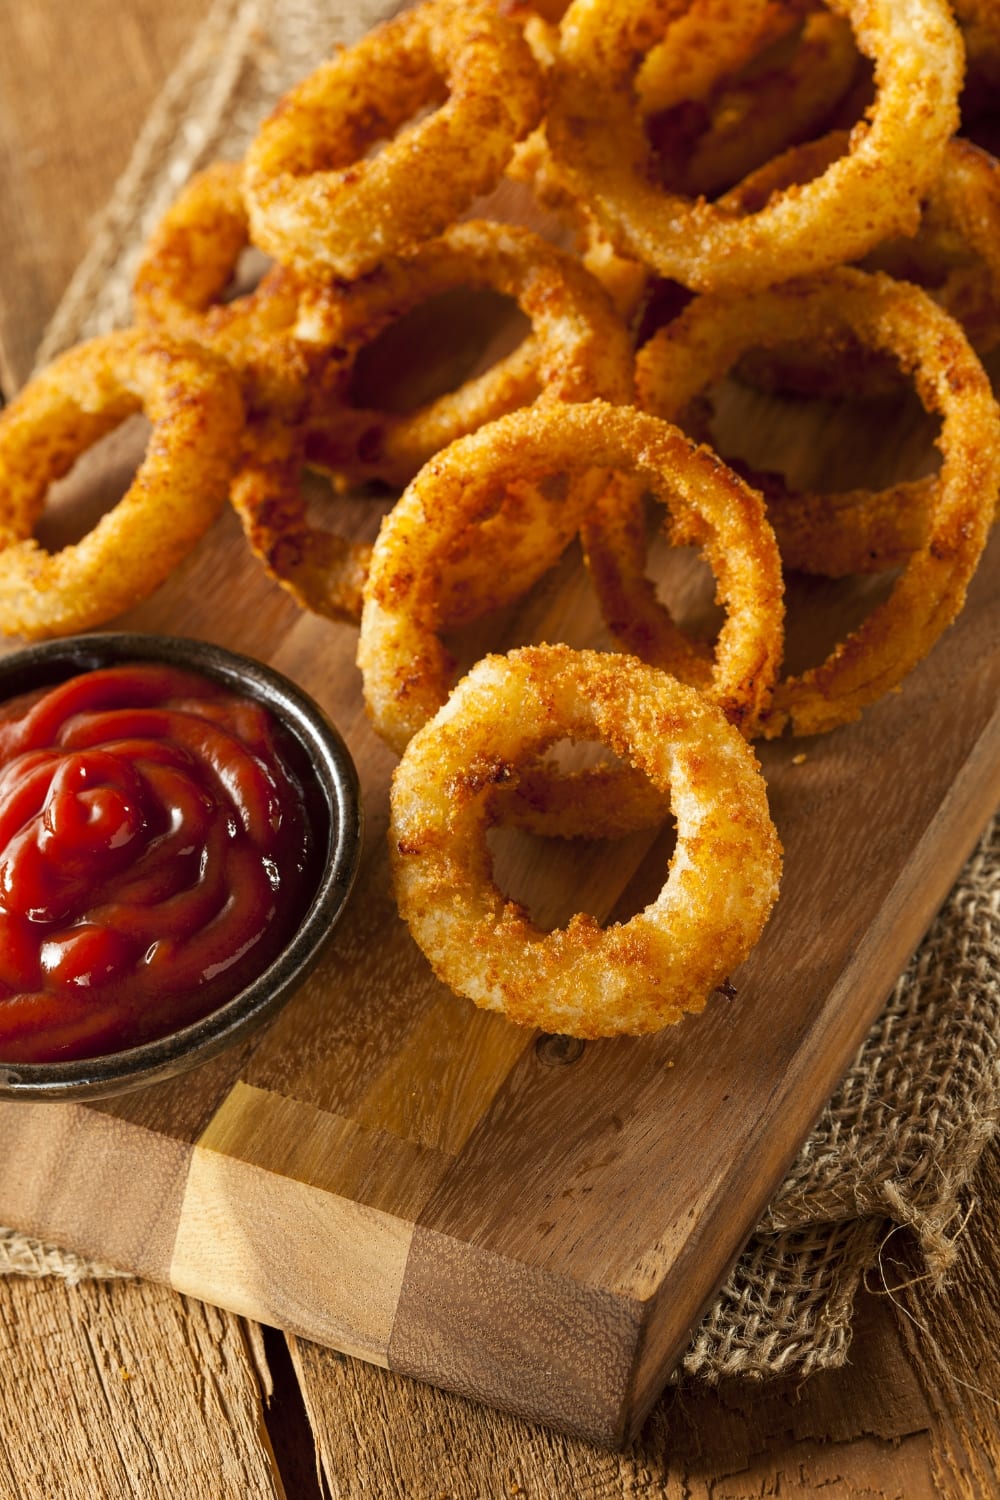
[
  {"x": 577, "y": 350},
  {"x": 187, "y": 265},
  {"x": 954, "y": 256},
  {"x": 313, "y": 197},
  {"x": 783, "y": 97},
  {"x": 323, "y": 571},
  {"x": 704, "y": 343},
  {"x": 629, "y": 978},
  {"x": 595, "y": 132},
  {"x": 444, "y": 516},
  {"x": 193, "y": 403},
  {"x": 701, "y": 45},
  {"x": 848, "y": 532}
]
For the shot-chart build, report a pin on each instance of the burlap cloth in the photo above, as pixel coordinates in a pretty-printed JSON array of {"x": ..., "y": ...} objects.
[{"x": 898, "y": 1143}]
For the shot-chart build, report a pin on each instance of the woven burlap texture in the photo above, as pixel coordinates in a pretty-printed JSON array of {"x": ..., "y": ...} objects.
[{"x": 898, "y": 1143}]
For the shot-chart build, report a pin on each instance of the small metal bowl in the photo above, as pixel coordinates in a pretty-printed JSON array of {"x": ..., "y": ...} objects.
[{"x": 333, "y": 794}]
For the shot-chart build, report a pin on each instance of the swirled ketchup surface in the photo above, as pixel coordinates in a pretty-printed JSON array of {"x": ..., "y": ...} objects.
[{"x": 154, "y": 858}]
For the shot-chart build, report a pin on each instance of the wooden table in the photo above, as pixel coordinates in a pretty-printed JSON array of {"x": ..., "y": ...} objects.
[{"x": 143, "y": 1393}]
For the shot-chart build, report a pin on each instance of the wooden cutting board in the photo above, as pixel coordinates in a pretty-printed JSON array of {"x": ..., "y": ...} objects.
[{"x": 530, "y": 1221}]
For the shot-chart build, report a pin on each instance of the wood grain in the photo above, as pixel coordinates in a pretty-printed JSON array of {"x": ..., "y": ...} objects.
[
  {"x": 63, "y": 141},
  {"x": 385, "y": 1435},
  {"x": 740, "y": 1441},
  {"x": 123, "y": 1389}
]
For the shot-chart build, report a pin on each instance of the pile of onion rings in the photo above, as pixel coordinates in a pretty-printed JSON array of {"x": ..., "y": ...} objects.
[
  {"x": 577, "y": 350},
  {"x": 192, "y": 401},
  {"x": 450, "y": 518},
  {"x": 776, "y": 189},
  {"x": 958, "y": 510},
  {"x": 594, "y": 131}
]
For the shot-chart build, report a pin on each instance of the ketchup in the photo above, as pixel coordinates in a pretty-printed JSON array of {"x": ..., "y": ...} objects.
[{"x": 155, "y": 856}]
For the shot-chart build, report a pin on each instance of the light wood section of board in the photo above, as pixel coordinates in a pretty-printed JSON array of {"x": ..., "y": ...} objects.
[{"x": 270, "y": 1244}]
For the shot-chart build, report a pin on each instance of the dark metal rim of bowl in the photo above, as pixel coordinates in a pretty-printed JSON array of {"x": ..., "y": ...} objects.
[{"x": 51, "y": 662}]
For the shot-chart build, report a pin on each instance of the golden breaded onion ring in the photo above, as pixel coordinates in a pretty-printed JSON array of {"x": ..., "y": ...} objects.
[
  {"x": 193, "y": 403},
  {"x": 710, "y": 39},
  {"x": 846, "y": 532},
  {"x": 704, "y": 343},
  {"x": 954, "y": 255},
  {"x": 595, "y": 132},
  {"x": 188, "y": 264},
  {"x": 323, "y": 571},
  {"x": 582, "y": 980},
  {"x": 456, "y": 506},
  {"x": 577, "y": 349},
  {"x": 785, "y": 96},
  {"x": 315, "y": 199}
]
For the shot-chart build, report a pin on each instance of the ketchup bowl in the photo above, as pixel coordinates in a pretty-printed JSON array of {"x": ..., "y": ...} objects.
[{"x": 180, "y": 829}]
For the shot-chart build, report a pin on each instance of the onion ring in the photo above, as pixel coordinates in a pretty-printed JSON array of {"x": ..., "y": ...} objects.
[
  {"x": 703, "y": 344},
  {"x": 954, "y": 256},
  {"x": 323, "y": 571},
  {"x": 629, "y": 978},
  {"x": 193, "y": 402},
  {"x": 437, "y": 523},
  {"x": 187, "y": 265},
  {"x": 315, "y": 202},
  {"x": 848, "y": 532},
  {"x": 595, "y": 133},
  {"x": 578, "y": 348},
  {"x": 783, "y": 97},
  {"x": 710, "y": 39}
]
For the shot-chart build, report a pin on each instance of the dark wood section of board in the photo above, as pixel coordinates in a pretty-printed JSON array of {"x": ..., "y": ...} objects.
[{"x": 143, "y": 1392}]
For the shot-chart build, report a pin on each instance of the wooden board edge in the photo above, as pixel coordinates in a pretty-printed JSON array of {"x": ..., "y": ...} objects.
[
  {"x": 917, "y": 896},
  {"x": 516, "y": 1337},
  {"x": 289, "y": 1254},
  {"x": 127, "y": 1216}
]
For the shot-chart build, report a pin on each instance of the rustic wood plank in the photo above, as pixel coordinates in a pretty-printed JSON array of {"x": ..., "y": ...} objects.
[
  {"x": 488, "y": 1475},
  {"x": 899, "y": 1420},
  {"x": 66, "y": 129},
  {"x": 953, "y": 1338},
  {"x": 122, "y": 1388},
  {"x": 863, "y": 1431},
  {"x": 137, "y": 1392}
]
